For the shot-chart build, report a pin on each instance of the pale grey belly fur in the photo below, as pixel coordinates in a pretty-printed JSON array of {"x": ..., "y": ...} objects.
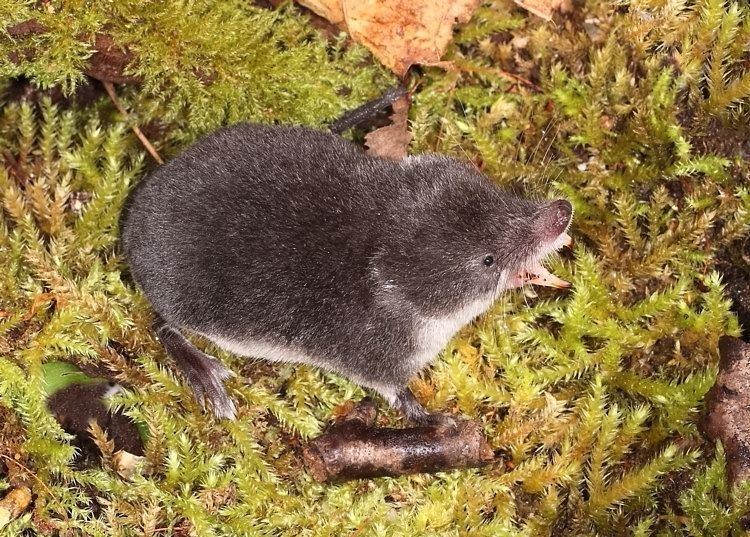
[{"x": 432, "y": 334}]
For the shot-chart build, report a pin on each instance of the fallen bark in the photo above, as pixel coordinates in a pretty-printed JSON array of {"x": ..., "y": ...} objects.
[
  {"x": 352, "y": 448},
  {"x": 728, "y": 407}
]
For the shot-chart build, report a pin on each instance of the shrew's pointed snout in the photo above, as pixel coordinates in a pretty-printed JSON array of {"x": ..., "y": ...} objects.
[{"x": 550, "y": 234}]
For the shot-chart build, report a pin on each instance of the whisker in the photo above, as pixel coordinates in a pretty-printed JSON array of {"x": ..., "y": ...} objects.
[
  {"x": 541, "y": 139},
  {"x": 545, "y": 166},
  {"x": 457, "y": 141}
]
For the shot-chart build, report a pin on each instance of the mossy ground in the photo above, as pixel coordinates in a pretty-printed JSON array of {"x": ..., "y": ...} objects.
[{"x": 591, "y": 398}]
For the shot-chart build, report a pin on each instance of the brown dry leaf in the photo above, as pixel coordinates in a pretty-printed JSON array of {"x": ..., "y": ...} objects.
[
  {"x": 39, "y": 300},
  {"x": 339, "y": 411},
  {"x": 545, "y": 8},
  {"x": 392, "y": 140},
  {"x": 399, "y": 33},
  {"x": 333, "y": 10}
]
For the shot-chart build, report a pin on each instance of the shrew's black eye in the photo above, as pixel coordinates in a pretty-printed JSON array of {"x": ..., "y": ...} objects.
[{"x": 488, "y": 261}]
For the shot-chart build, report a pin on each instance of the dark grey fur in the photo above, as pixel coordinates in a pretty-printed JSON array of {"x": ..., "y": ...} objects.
[{"x": 287, "y": 243}]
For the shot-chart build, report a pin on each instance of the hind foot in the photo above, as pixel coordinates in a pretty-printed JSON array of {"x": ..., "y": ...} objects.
[
  {"x": 204, "y": 373},
  {"x": 419, "y": 415}
]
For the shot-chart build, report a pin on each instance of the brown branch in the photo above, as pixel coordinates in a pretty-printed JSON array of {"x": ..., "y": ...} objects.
[
  {"x": 150, "y": 148},
  {"x": 352, "y": 448}
]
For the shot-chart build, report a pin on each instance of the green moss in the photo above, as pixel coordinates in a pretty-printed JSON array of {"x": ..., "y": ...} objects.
[
  {"x": 202, "y": 64},
  {"x": 711, "y": 507},
  {"x": 590, "y": 397}
]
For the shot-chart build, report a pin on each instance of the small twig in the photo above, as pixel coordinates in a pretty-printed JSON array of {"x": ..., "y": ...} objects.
[
  {"x": 150, "y": 148},
  {"x": 352, "y": 448}
]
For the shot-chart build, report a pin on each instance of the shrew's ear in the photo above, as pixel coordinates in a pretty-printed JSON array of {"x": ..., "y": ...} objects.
[{"x": 553, "y": 220}]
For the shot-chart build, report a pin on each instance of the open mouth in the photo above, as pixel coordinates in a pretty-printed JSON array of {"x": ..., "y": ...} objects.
[{"x": 536, "y": 274}]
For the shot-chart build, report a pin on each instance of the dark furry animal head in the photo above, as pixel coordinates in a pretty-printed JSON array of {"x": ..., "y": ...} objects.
[{"x": 463, "y": 239}]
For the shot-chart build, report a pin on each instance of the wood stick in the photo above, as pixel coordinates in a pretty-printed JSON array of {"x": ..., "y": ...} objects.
[
  {"x": 150, "y": 148},
  {"x": 352, "y": 448}
]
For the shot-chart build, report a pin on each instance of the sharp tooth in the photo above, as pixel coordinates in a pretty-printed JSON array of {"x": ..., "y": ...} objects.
[{"x": 547, "y": 279}]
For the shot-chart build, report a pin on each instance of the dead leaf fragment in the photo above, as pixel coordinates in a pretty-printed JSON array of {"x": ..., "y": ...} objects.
[
  {"x": 333, "y": 10},
  {"x": 392, "y": 140},
  {"x": 126, "y": 464},
  {"x": 14, "y": 503},
  {"x": 39, "y": 300},
  {"x": 545, "y": 8},
  {"x": 519, "y": 42}
]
